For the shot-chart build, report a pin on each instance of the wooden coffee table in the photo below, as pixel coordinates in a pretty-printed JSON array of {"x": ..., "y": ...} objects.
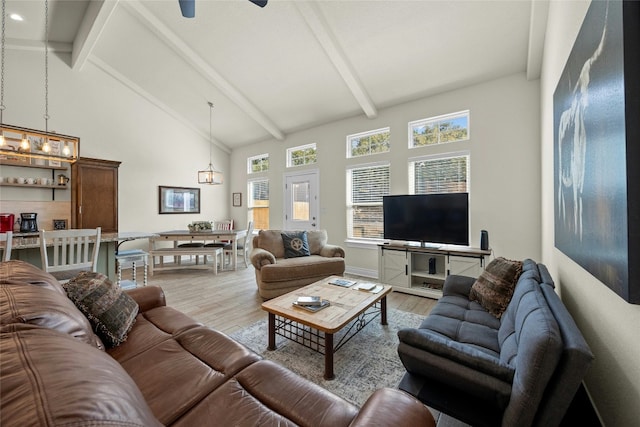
[{"x": 350, "y": 308}]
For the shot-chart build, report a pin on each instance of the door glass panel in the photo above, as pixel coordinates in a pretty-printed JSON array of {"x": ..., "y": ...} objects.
[{"x": 300, "y": 201}]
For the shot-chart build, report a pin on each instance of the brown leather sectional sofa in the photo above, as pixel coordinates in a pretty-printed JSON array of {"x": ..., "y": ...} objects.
[{"x": 171, "y": 370}]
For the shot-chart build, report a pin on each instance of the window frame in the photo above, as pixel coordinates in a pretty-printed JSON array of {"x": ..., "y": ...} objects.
[
  {"x": 436, "y": 120},
  {"x": 300, "y": 148},
  {"x": 261, "y": 157},
  {"x": 350, "y": 155}
]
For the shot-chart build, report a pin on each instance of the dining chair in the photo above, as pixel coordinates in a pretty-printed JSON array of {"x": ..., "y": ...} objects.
[
  {"x": 7, "y": 238},
  {"x": 226, "y": 224},
  {"x": 72, "y": 251},
  {"x": 223, "y": 225},
  {"x": 242, "y": 246}
]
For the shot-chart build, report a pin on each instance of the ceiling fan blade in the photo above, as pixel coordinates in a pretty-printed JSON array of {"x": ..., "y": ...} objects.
[
  {"x": 188, "y": 8},
  {"x": 261, "y": 3}
]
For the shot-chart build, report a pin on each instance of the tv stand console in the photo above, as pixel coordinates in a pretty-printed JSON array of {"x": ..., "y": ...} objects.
[{"x": 421, "y": 270}]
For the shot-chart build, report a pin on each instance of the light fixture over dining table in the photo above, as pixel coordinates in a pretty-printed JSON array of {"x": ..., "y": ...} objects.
[{"x": 210, "y": 175}]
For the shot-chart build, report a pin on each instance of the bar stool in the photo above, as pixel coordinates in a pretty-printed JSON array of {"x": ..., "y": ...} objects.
[{"x": 128, "y": 259}]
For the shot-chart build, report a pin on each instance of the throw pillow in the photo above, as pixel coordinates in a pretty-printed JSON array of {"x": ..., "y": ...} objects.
[
  {"x": 494, "y": 288},
  {"x": 110, "y": 311},
  {"x": 295, "y": 244}
]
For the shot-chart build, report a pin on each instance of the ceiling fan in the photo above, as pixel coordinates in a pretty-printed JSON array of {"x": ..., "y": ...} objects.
[{"x": 188, "y": 7}]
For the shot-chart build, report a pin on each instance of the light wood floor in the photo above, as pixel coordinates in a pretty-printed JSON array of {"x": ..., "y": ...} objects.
[{"x": 230, "y": 301}]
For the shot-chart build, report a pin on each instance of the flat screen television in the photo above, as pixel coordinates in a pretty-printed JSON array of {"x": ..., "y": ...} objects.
[{"x": 427, "y": 218}]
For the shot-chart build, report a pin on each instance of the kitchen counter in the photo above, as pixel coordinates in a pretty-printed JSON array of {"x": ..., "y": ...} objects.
[
  {"x": 26, "y": 247},
  {"x": 32, "y": 240}
]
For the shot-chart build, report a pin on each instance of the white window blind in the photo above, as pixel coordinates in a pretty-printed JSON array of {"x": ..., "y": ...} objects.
[
  {"x": 365, "y": 187},
  {"x": 258, "y": 203},
  {"x": 439, "y": 174}
]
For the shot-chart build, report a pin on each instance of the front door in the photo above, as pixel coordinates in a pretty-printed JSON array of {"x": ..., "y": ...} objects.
[{"x": 301, "y": 201}]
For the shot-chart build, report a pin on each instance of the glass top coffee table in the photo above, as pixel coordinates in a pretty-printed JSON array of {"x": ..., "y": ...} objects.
[{"x": 351, "y": 309}]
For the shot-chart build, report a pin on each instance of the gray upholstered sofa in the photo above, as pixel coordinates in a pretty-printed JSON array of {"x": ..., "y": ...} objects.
[
  {"x": 277, "y": 275},
  {"x": 520, "y": 370}
]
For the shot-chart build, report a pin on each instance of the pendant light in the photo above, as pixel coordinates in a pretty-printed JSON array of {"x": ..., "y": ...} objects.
[
  {"x": 55, "y": 148},
  {"x": 210, "y": 175},
  {"x": 3, "y": 142},
  {"x": 46, "y": 147}
]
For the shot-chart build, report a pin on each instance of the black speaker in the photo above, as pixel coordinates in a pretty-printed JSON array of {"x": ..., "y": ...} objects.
[
  {"x": 484, "y": 240},
  {"x": 432, "y": 266}
]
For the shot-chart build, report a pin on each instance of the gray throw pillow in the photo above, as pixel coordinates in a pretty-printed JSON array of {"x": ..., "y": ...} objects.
[
  {"x": 111, "y": 312},
  {"x": 295, "y": 244}
]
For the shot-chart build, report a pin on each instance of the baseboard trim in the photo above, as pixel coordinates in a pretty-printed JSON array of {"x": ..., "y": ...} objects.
[{"x": 362, "y": 272}]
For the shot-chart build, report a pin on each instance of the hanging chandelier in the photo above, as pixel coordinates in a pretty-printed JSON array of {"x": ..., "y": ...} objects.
[
  {"x": 3, "y": 141},
  {"x": 16, "y": 142},
  {"x": 210, "y": 175}
]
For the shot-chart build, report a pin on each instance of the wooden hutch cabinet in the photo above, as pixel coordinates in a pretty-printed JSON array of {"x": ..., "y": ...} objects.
[{"x": 94, "y": 196}]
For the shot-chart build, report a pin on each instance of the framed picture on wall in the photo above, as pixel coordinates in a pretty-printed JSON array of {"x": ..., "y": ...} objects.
[
  {"x": 178, "y": 200},
  {"x": 237, "y": 199},
  {"x": 596, "y": 148}
]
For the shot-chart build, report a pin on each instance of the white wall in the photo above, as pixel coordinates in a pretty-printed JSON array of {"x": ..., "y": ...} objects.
[
  {"x": 115, "y": 123},
  {"x": 609, "y": 324},
  {"x": 505, "y": 165}
]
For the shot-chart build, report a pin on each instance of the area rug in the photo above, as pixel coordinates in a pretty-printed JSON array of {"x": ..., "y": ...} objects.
[{"x": 367, "y": 362}]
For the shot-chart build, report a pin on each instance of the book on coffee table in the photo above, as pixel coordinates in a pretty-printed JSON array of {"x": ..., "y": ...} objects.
[
  {"x": 310, "y": 300},
  {"x": 313, "y": 308},
  {"x": 374, "y": 288},
  {"x": 342, "y": 282}
]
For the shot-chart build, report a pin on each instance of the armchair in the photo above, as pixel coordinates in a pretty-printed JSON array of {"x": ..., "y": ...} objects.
[{"x": 277, "y": 275}]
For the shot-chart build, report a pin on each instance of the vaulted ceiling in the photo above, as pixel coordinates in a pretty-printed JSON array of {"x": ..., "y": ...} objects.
[{"x": 291, "y": 65}]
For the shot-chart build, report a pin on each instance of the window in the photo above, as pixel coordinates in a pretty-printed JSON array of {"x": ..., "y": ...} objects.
[
  {"x": 258, "y": 203},
  {"x": 448, "y": 173},
  {"x": 302, "y": 155},
  {"x": 367, "y": 143},
  {"x": 439, "y": 130},
  {"x": 365, "y": 187},
  {"x": 258, "y": 163}
]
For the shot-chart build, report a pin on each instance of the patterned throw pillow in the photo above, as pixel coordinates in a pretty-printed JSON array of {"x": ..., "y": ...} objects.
[
  {"x": 111, "y": 312},
  {"x": 494, "y": 288},
  {"x": 295, "y": 244}
]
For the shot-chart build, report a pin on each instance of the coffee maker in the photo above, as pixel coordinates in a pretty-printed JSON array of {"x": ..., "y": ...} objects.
[{"x": 28, "y": 223}]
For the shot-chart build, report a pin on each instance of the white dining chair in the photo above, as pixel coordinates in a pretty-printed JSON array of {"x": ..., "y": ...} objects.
[
  {"x": 241, "y": 246},
  {"x": 72, "y": 251},
  {"x": 7, "y": 238}
]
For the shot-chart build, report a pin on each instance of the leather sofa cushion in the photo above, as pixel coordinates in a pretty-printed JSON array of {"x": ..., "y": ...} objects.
[
  {"x": 44, "y": 305},
  {"x": 464, "y": 321},
  {"x": 178, "y": 372},
  {"x": 530, "y": 341},
  {"x": 49, "y": 378},
  {"x": 267, "y": 394},
  {"x": 302, "y": 267},
  {"x": 151, "y": 328},
  {"x": 457, "y": 352},
  {"x": 19, "y": 272}
]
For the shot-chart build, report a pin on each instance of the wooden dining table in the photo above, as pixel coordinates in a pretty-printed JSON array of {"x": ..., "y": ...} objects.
[{"x": 227, "y": 236}]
